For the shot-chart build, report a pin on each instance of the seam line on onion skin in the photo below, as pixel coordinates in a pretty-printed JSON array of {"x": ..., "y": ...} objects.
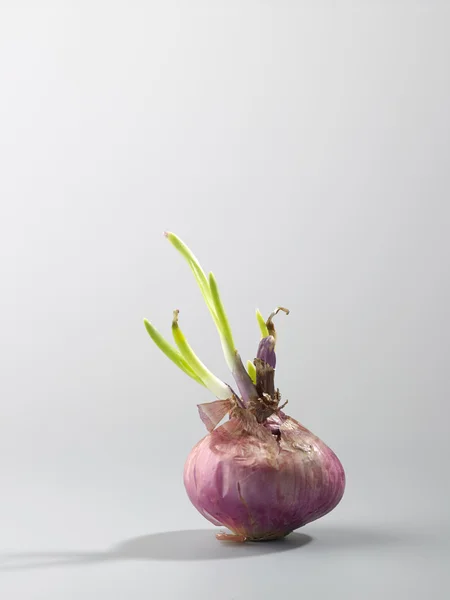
[{"x": 241, "y": 498}]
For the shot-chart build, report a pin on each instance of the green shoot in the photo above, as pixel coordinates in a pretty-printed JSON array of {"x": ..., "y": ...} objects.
[
  {"x": 222, "y": 323},
  {"x": 213, "y": 383},
  {"x": 251, "y": 369},
  {"x": 262, "y": 324},
  {"x": 170, "y": 351},
  {"x": 212, "y": 298},
  {"x": 197, "y": 270}
]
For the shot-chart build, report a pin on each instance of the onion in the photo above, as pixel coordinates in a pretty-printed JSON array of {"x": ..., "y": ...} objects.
[{"x": 261, "y": 474}]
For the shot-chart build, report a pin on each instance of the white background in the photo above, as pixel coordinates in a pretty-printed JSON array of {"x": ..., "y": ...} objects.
[{"x": 302, "y": 150}]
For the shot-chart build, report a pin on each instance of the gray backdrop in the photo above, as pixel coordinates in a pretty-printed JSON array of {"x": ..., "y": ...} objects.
[{"x": 302, "y": 150}]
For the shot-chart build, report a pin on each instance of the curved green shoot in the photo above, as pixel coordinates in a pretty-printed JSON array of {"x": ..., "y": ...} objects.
[
  {"x": 211, "y": 296},
  {"x": 170, "y": 351},
  {"x": 251, "y": 369},
  {"x": 210, "y": 292},
  {"x": 262, "y": 324},
  {"x": 213, "y": 383},
  {"x": 222, "y": 323},
  {"x": 196, "y": 268}
]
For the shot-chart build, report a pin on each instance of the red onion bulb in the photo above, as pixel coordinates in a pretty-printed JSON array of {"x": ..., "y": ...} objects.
[
  {"x": 260, "y": 474},
  {"x": 264, "y": 484}
]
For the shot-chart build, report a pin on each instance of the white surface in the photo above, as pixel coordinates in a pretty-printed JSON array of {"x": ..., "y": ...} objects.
[{"x": 302, "y": 151}]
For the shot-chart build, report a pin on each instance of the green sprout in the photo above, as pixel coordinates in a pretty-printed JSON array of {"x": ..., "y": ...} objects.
[
  {"x": 251, "y": 369},
  {"x": 184, "y": 357},
  {"x": 262, "y": 324}
]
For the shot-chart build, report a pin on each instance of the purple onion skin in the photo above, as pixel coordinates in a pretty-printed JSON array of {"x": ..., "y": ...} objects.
[
  {"x": 266, "y": 351},
  {"x": 264, "y": 487}
]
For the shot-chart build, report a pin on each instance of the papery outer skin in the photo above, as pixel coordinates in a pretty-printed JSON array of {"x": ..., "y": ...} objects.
[
  {"x": 266, "y": 351},
  {"x": 212, "y": 413},
  {"x": 263, "y": 489}
]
